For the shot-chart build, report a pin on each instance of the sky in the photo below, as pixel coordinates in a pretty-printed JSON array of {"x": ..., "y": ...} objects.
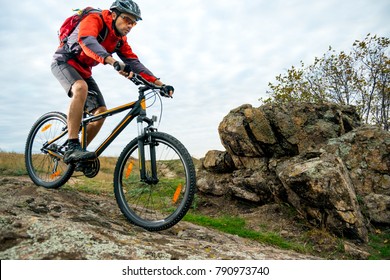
[{"x": 217, "y": 54}]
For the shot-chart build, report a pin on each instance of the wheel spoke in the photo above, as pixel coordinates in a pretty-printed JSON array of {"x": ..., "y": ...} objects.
[
  {"x": 155, "y": 203},
  {"x": 44, "y": 163}
]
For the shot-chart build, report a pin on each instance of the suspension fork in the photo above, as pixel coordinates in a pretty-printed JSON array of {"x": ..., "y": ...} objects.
[
  {"x": 145, "y": 139},
  {"x": 153, "y": 161}
]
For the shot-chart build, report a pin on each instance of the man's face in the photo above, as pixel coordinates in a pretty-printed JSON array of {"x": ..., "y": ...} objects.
[{"x": 124, "y": 23}]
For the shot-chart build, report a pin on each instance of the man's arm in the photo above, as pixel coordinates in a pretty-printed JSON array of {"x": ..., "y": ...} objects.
[{"x": 88, "y": 32}]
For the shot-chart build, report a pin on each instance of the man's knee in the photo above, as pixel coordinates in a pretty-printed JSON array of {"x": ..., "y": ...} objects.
[{"x": 80, "y": 89}]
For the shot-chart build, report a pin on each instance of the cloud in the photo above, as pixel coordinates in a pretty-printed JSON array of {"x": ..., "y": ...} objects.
[{"x": 217, "y": 54}]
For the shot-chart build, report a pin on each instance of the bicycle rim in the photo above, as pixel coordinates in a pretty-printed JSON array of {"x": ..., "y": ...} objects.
[
  {"x": 155, "y": 206},
  {"x": 44, "y": 162}
]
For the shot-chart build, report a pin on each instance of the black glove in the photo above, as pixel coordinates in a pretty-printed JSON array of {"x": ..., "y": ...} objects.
[
  {"x": 127, "y": 68},
  {"x": 120, "y": 66},
  {"x": 167, "y": 89}
]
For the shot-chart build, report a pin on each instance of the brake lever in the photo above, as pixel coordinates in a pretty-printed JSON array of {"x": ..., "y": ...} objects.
[{"x": 165, "y": 94}]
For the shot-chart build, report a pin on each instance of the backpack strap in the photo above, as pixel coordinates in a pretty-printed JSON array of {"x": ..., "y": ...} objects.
[
  {"x": 118, "y": 45},
  {"x": 104, "y": 32},
  {"x": 103, "y": 35}
]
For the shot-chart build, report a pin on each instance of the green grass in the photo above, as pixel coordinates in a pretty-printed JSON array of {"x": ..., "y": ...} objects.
[
  {"x": 237, "y": 226},
  {"x": 95, "y": 185},
  {"x": 380, "y": 245}
]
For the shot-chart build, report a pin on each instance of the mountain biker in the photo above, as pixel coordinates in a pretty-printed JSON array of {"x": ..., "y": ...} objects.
[{"x": 74, "y": 59}]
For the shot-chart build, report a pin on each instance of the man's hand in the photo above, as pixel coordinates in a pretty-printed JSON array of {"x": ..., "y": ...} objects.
[
  {"x": 168, "y": 89},
  {"x": 123, "y": 69}
]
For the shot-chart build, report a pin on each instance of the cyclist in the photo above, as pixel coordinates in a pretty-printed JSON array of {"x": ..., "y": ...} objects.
[{"x": 73, "y": 62}]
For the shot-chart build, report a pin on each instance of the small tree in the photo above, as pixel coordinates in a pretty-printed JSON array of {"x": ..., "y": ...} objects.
[
  {"x": 360, "y": 78},
  {"x": 373, "y": 67}
]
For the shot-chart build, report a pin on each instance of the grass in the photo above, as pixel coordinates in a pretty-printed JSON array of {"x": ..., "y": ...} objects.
[
  {"x": 380, "y": 244},
  {"x": 12, "y": 164},
  {"x": 237, "y": 226},
  {"x": 102, "y": 184}
]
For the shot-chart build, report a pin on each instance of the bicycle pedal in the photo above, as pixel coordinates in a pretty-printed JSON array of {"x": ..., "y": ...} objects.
[{"x": 79, "y": 167}]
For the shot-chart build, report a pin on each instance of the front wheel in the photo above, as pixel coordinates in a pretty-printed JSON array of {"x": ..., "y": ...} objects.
[
  {"x": 160, "y": 203},
  {"x": 45, "y": 147}
]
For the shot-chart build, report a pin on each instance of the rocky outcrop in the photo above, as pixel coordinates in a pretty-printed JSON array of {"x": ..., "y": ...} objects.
[
  {"x": 275, "y": 131},
  {"x": 316, "y": 157},
  {"x": 39, "y": 224}
]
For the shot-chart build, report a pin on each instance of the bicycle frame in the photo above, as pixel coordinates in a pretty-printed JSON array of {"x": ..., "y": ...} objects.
[{"x": 137, "y": 110}]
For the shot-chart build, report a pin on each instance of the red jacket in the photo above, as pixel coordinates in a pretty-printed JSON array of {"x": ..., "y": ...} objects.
[{"x": 83, "y": 51}]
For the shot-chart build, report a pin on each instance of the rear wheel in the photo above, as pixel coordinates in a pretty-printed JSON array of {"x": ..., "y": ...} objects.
[
  {"x": 155, "y": 204},
  {"x": 45, "y": 147}
]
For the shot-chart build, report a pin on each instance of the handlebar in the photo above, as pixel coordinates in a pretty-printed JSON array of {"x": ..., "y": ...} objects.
[{"x": 138, "y": 80}]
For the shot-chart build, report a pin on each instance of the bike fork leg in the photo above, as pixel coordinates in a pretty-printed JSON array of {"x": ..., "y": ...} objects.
[
  {"x": 150, "y": 177},
  {"x": 153, "y": 164},
  {"x": 141, "y": 156}
]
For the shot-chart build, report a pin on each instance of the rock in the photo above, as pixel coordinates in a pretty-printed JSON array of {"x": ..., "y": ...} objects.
[
  {"x": 234, "y": 136},
  {"x": 378, "y": 208},
  {"x": 219, "y": 162},
  {"x": 253, "y": 185},
  {"x": 366, "y": 153},
  {"x": 252, "y": 163},
  {"x": 256, "y": 185},
  {"x": 316, "y": 157},
  {"x": 284, "y": 130},
  {"x": 320, "y": 189},
  {"x": 355, "y": 252},
  {"x": 91, "y": 227},
  {"x": 215, "y": 184}
]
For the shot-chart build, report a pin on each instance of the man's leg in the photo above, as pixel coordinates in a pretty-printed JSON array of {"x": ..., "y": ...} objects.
[
  {"x": 76, "y": 107},
  {"x": 79, "y": 95},
  {"x": 94, "y": 127}
]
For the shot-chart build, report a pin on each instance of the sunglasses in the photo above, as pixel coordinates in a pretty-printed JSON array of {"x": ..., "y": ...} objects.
[{"x": 128, "y": 20}]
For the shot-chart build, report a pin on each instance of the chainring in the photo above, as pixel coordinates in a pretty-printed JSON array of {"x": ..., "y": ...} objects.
[{"x": 91, "y": 168}]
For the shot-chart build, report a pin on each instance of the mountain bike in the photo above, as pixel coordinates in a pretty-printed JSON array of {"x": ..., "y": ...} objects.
[{"x": 154, "y": 177}]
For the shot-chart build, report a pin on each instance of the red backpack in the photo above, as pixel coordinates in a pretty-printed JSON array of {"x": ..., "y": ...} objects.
[{"x": 71, "y": 23}]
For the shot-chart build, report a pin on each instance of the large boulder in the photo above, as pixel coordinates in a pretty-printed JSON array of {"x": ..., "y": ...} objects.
[
  {"x": 320, "y": 189},
  {"x": 218, "y": 162},
  {"x": 315, "y": 157},
  {"x": 366, "y": 154},
  {"x": 284, "y": 130}
]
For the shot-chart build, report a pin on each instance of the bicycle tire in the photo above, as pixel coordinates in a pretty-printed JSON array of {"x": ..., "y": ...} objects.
[
  {"x": 155, "y": 206},
  {"x": 45, "y": 166}
]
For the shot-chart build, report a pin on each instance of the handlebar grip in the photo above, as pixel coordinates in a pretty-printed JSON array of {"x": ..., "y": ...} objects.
[{"x": 117, "y": 66}]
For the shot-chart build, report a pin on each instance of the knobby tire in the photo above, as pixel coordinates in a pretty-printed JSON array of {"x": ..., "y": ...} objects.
[
  {"x": 44, "y": 168},
  {"x": 155, "y": 206}
]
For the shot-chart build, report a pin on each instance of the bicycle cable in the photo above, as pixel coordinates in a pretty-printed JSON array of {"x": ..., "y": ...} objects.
[{"x": 152, "y": 94}]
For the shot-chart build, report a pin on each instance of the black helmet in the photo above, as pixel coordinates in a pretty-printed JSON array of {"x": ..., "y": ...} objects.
[{"x": 127, "y": 6}]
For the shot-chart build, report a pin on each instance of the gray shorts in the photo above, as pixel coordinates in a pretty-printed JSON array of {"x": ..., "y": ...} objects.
[{"x": 67, "y": 76}]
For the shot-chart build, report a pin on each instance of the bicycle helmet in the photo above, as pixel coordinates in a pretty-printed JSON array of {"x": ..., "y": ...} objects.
[{"x": 127, "y": 6}]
